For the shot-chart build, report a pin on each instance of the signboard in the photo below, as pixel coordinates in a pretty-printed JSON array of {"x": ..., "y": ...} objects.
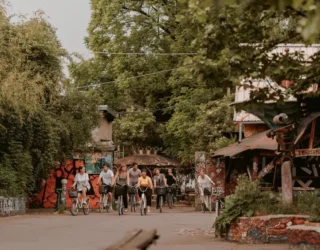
[{"x": 307, "y": 152}]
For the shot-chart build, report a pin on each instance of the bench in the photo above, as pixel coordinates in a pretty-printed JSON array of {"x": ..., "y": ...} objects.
[{"x": 137, "y": 239}]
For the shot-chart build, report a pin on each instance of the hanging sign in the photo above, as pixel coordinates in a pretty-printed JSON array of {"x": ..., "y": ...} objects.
[{"x": 307, "y": 152}]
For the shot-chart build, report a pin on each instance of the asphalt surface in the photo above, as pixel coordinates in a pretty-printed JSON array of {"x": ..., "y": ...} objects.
[{"x": 178, "y": 230}]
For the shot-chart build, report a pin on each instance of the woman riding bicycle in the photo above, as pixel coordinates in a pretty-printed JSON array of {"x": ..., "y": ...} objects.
[
  {"x": 144, "y": 182},
  {"x": 159, "y": 181},
  {"x": 82, "y": 181},
  {"x": 121, "y": 179},
  {"x": 203, "y": 182}
]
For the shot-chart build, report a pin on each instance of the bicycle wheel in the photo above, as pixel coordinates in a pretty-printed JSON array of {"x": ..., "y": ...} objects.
[
  {"x": 119, "y": 205},
  {"x": 161, "y": 203},
  {"x": 74, "y": 208},
  {"x": 132, "y": 203},
  {"x": 142, "y": 206},
  {"x": 101, "y": 203},
  {"x": 170, "y": 200},
  {"x": 86, "y": 207},
  {"x": 209, "y": 204}
]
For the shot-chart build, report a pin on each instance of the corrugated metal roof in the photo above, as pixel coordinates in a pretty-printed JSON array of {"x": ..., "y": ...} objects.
[{"x": 258, "y": 141}]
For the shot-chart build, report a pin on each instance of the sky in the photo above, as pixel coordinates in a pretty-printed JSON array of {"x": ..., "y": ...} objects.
[{"x": 69, "y": 17}]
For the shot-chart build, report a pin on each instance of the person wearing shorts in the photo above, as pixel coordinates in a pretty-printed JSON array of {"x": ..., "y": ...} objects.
[
  {"x": 81, "y": 180},
  {"x": 106, "y": 176}
]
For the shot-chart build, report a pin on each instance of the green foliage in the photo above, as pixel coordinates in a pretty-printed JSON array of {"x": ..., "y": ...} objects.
[
  {"x": 246, "y": 201},
  {"x": 222, "y": 42},
  {"x": 249, "y": 200},
  {"x": 61, "y": 209},
  {"x": 136, "y": 128},
  {"x": 42, "y": 119}
]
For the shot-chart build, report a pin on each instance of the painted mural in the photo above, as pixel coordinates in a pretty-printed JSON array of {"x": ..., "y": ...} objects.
[{"x": 48, "y": 196}]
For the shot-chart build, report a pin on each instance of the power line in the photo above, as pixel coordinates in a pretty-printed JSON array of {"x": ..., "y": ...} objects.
[
  {"x": 130, "y": 78},
  {"x": 145, "y": 53}
]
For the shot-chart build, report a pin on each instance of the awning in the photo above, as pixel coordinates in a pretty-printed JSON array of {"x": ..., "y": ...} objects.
[
  {"x": 147, "y": 160},
  {"x": 259, "y": 141}
]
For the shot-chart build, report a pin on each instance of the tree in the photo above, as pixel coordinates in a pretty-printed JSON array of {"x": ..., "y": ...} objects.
[{"x": 42, "y": 118}]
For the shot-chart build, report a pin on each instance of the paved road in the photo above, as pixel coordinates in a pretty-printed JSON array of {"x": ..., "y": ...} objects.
[{"x": 178, "y": 231}]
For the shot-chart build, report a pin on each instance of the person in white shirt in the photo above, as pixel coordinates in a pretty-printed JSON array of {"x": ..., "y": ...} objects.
[
  {"x": 107, "y": 176},
  {"x": 82, "y": 181},
  {"x": 203, "y": 182}
]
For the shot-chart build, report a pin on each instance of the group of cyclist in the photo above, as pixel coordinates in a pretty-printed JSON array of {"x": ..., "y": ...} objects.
[{"x": 134, "y": 177}]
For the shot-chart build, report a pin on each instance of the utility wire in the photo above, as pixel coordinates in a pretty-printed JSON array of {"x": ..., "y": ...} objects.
[
  {"x": 130, "y": 78},
  {"x": 145, "y": 53}
]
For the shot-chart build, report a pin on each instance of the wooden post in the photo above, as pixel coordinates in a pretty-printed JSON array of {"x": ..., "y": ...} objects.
[
  {"x": 286, "y": 182},
  {"x": 313, "y": 128}
]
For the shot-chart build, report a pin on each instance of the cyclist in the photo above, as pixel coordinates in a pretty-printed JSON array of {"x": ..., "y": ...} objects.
[
  {"x": 203, "y": 182},
  {"x": 121, "y": 178},
  {"x": 171, "y": 180},
  {"x": 145, "y": 181},
  {"x": 133, "y": 176},
  {"x": 106, "y": 176},
  {"x": 82, "y": 181},
  {"x": 159, "y": 181}
]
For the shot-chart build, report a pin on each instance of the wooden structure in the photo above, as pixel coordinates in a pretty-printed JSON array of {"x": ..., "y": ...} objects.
[{"x": 137, "y": 239}]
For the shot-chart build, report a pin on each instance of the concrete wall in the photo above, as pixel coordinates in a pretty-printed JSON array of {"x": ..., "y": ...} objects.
[
  {"x": 103, "y": 132},
  {"x": 12, "y": 206}
]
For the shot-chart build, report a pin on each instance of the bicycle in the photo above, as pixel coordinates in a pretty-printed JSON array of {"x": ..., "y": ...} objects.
[
  {"x": 207, "y": 204},
  {"x": 103, "y": 202},
  {"x": 143, "y": 203},
  {"x": 119, "y": 193},
  {"x": 132, "y": 192},
  {"x": 161, "y": 191},
  {"x": 170, "y": 195},
  {"x": 219, "y": 200},
  {"x": 76, "y": 205}
]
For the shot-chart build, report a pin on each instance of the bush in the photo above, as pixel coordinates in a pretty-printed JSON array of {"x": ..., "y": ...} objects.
[{"x": 249, "y": 200}]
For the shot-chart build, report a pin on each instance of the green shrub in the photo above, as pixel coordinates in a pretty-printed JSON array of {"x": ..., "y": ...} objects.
[{"x": 249, "y": 200}]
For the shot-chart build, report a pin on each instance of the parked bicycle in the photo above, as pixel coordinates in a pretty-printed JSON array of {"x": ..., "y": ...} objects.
[
  {"x": 76, "y": 205},
  {"x": 171, "y": 190},
  {"x": 161, "y": 192},
  {"x": 104, "y": 204},
  {"x": 119, "y": 193},
  {"x": 143, "y": 203},
  {"x": 132, "y": 192}
]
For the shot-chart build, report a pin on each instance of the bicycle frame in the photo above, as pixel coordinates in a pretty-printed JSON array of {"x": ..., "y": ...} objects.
[{"x": 143, "y": 205}]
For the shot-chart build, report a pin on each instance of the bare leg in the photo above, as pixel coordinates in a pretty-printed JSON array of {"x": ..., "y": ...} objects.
[{"x": 84, "y": 194}]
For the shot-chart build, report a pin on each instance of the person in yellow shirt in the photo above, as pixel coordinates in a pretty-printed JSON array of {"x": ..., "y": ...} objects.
[{"x": 145, "y": 182}]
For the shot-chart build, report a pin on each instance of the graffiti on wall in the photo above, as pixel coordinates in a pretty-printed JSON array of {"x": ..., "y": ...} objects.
[
  {"x": 48, "y": 195},
  {"x": 11, "y": 206}
]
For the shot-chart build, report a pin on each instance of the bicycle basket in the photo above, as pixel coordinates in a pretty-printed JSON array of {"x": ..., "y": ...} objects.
[
  {"x": 161, "y": 191},
  {"x": 118, "y": 190},
  {"x": 132, "y": 190},
  {"x": 102, "y": 189},
  {"x": 207, "y": 191},
  {"x": 73, "y": 193}
]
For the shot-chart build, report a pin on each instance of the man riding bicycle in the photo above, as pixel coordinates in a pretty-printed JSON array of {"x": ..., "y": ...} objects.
[
  {"x": 107, "y": 176},
  {"x": 133, "y": 176}
]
